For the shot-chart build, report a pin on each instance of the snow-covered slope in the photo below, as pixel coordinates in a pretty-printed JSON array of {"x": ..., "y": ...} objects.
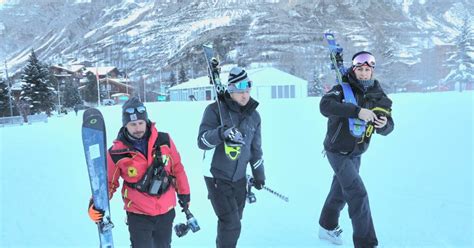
[{"x": 419, "y": 178}]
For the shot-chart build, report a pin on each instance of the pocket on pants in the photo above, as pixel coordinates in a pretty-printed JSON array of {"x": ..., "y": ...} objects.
[{"x": 221, "y": 196}]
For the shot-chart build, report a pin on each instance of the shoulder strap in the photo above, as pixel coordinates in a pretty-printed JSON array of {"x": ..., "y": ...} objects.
[
  {"x": 163, "y": 139},
  {"x": 356, "y": 126}
]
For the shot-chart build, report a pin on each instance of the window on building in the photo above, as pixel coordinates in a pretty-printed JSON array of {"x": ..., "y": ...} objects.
[
  {"x": 286, "y": 91},
  {"x": 280, "y": 91},
  {"x": 292, "y": 91}
]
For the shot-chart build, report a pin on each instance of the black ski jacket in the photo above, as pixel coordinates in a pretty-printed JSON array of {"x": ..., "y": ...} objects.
[
  {"x": 332, "y": 105},
  {"x": 216, "y": 163}
]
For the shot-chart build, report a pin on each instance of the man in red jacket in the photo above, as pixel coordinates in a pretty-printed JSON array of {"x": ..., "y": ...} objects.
[{"x": 149, "y": 201}]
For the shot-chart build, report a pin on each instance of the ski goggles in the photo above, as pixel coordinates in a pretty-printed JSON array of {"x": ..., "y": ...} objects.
[
  {"x": 364, "y": 59},
  {"x": 240, "y": 86},
  {"x": 139, "y": 109}
]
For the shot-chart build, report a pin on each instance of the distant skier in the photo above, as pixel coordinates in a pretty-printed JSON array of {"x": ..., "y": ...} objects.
[
  {"x": 149, "y": 201},
  {"x": 76, "y": 109},
  {"x": 230, "y": 146},
  {"x": 344, "y": 151}
]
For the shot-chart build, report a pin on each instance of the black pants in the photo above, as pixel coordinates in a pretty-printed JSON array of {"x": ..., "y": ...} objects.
[
  {"x": 347, "y": 187},
  {"x": 150, "y": 231},
  {"x": 228, "y": 200}
]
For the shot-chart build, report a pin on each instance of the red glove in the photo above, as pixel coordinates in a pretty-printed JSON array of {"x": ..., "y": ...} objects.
[{"x": 95, "y": 214}]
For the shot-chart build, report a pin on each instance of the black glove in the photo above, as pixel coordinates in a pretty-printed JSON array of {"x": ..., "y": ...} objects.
[
  {"x": 232, "y": 135},
  {"x": 184, "y": 200},
  {"x": 258, "y": 184}
]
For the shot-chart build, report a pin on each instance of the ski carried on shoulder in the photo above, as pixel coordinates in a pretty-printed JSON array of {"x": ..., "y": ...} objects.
[
  {"x": 213, "y": 69},
  {"x": 356, "y": 125},
  {"x": 94, "y": 141},
  {"x": 232, "y": 151}
]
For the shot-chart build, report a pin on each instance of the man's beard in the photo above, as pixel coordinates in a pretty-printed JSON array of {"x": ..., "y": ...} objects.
[{"x": 138, "y": 135}]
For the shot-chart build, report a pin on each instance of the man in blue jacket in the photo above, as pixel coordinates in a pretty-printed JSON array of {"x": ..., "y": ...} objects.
[{"x": 230, "y": 135}]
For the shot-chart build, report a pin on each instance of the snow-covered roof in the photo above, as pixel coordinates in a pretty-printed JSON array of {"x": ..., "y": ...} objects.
[
  {"x": 69, "y": 68},
  {"x": 266, "y": 76},
  {"x": 76, "y": 68},
  {"x": 118, "y": 81},
  {"x": 102, "y": 70}
]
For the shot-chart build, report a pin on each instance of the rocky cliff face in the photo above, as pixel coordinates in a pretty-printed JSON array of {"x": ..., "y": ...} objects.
[{"x": 148, "y": 37}]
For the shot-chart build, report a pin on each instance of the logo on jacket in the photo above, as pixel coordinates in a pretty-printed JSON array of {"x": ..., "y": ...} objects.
[
  {"x": 132, "y": 171},
  {"x": 232, "y": 152}
]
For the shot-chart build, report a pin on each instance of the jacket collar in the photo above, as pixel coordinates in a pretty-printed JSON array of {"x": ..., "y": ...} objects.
[
  {"x": 232, "y": 105},
  {"x": 352, "y": 80}
]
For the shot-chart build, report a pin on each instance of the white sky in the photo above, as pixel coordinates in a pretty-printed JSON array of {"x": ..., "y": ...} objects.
[{"x": 419, "y": 178}]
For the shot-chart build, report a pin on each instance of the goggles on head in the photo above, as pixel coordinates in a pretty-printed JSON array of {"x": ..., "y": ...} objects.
[
  {"x": 139, "y": 109},
  {"x": 364, "y": 59}
]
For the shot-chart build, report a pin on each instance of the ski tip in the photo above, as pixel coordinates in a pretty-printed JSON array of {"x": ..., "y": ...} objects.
[
  {"x": 329, "y": 36},
  {"x": 90, "y": 112}
]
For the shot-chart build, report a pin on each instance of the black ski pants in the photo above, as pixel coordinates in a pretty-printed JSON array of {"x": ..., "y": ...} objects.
[
  {"x": 150, "y": 231},
  {"x": 347, "y": 187},
  {"x": 228, "y": 200}
]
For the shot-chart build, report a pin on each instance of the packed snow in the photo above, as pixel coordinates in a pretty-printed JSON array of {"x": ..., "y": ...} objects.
[{"x": 419, "y": 178}]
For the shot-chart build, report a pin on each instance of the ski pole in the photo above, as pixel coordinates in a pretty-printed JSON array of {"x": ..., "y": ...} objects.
[
  {"x": 250, "y": 181},
  {"x": 284, "y": 198}
]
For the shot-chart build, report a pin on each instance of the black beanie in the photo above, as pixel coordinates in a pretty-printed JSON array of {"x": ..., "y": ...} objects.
[{"x": 133, "y": 103}]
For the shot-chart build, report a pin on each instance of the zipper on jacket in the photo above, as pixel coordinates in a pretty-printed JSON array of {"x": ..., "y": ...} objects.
[{"x": 338, "y": 130}]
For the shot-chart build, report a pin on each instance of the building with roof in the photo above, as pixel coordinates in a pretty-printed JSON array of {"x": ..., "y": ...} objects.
[
  {"x": 111, "y": 85},
  {"x": 267, "y": 83}
]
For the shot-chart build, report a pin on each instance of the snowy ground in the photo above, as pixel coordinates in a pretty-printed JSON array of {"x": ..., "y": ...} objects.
[{"x": 419, "y": 178}]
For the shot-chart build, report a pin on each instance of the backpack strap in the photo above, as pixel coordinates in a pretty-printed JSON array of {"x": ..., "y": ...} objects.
[{"x": 163, "y": 139}]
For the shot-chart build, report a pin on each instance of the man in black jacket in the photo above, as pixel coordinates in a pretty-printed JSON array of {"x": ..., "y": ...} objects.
[
  {"x": 344, "y": 150},
  {"x": 230, "y": 135}
]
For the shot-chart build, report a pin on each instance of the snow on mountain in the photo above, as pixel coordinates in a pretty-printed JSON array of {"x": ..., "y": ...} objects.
[{"x": 147, "y": 36}]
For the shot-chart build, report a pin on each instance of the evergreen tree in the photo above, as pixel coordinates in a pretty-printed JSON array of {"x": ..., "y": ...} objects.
[
  {"x": 36, "y": 90},
  {"x": 90, "y": 91},
  {"x": 71, "y": 95},
  {"x": 315, "y": 86},
  {"x": 172, "y": 79},
  {"x": 4, "y": 100},
  {"x": 221, "y": 47},
  {"x": 182, "y": 77},
  {"x": 460, "y": 61}
]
